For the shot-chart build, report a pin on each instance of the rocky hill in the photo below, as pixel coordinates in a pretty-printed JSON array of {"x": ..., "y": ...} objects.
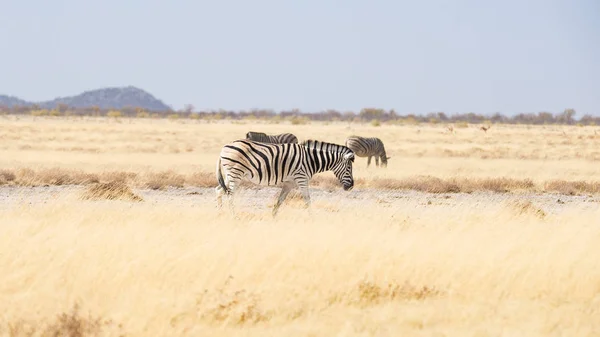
[{"x": 106, "y": 98}]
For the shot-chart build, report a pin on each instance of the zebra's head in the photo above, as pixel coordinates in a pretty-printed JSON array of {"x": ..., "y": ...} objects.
[
  {"x": 384, "y": 161},
  {"x": 340, "y": 160},
  {"x": 343, "y": 171}
]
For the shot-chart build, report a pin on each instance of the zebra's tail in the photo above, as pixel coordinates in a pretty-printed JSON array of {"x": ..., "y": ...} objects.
[{"x": 220, "y": 178}]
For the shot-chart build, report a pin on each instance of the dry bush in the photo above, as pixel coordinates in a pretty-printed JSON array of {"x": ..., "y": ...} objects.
[
  {"x": 420, "y": 183},
  {"x": 114, "y": 114},
  {"x": 71, "y": 324},
  {"x": 572, "y": 187},
  {"x": 526, "y": 207},
  {"x": 201, "y": 179},
  {"x": 114, "y": 190},
  {"x": 501, "y": 185},
  {"x": 231, "y": 306},
  {"x": 367, "y": 293},
  {"x": 161, "y": 180},
  {"x": 431, "y": 184},
  {"x": 297, "y": 120},
  {"x": 7, "y": 177}
]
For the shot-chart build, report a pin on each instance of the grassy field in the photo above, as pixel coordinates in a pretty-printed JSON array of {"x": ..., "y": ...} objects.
[
  {"x": 548, "y": 156},
  {"x": 376, "y": 261}
]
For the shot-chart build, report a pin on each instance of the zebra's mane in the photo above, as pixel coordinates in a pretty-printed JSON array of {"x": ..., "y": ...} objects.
[{"x": 317, "y": 144}]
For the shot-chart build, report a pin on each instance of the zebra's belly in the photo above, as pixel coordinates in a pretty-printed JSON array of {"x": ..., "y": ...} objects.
[
  {"x": 268, "y": 182},
  {"x": 362, "y": 154}
]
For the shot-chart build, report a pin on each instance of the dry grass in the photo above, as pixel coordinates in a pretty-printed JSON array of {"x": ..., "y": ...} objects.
[
  {"x": 572, "y": 187},
  {"x": 526, "y": 207},
  {"x": 162, "y": 180},
  {"x": 454, "y": 185},
  {"x": 327, "y": 181},
  {"x": 51, "y": 176},
  {"x": 71, "y": 324},
  {"x": 361, "y": 265},
  {"x": 423, "y": 184},
  {"x": 501, "y": 269},
  {"x": 201, "y": 179},
  {"x": 114, "y": 190}
]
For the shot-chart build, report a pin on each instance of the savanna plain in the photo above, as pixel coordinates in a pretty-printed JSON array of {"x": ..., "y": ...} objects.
[{"x": 109, "y": 227}]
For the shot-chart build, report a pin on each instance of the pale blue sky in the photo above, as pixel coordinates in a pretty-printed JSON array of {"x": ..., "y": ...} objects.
[{"x": 414, "y": 56}]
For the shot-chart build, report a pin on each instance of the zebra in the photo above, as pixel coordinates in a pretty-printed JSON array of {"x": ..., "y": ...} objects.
[
  {"x": 275, "y": 139},
  {"x": 368, "y": 147},
  {"x": 287, "y": 165}
]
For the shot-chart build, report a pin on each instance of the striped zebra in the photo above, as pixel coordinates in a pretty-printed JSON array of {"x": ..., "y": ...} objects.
[
  {"x": 368, "y": 147},
  {"x": 275, "y": 139},
  {"x": 287, "y": 165}
]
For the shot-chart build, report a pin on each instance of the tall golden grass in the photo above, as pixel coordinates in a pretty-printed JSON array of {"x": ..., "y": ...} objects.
[{"x": 142, "y": 270}]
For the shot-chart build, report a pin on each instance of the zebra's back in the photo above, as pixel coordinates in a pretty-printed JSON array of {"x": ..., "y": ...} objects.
[
  {"x": 365, "y": 146},
  {"x": 284, "y": 138}
]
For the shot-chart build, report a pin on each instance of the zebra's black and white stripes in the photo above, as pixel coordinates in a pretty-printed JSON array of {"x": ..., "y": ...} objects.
[
  {"x": 368, "y": 147},
  {"x": 275, "y": 139},
  {"x": 286, "y": 165}
]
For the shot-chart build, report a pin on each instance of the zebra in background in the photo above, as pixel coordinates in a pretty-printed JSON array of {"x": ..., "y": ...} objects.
[
  {"x": 275, "y": 139},
  {"x": 368, "y": 147},
  {"x": 287, "y": 165}
]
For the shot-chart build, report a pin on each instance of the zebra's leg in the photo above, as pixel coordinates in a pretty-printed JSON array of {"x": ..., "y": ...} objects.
[
  {"x": 231, "y": 195},
  {"x": 306, "y": 195},
  {"x": 369, "y": 161},
  {"x": 219, "y": 191},
  {"x": 377, "y": 161},
  {"x": 285, "y": 190}
]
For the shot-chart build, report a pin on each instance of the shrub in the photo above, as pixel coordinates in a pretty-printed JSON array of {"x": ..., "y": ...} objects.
[
  {"x": 297, "y": 120},
  {"x": 114, "y": 114},
  {"x": 36, "y": 113},
  {"x": 113, "y": 190}
]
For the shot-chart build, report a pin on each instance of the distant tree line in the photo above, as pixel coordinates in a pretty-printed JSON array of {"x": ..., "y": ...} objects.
[{"x": 372, "y": 115}]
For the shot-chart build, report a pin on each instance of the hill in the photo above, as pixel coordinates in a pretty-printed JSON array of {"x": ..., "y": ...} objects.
[
  {"x": 12, "y": 101},
  {"x": 105, "y": 98}
]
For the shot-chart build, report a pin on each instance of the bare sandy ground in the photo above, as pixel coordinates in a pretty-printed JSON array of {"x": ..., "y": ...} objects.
[{"x": 260, "y": 200}]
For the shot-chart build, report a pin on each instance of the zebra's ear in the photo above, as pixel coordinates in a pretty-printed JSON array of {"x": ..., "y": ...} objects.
[{"x": 349, "y": 156}]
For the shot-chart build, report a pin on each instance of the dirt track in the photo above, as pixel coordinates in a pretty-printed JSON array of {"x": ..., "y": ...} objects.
[{"x": 260, "y": 200}]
